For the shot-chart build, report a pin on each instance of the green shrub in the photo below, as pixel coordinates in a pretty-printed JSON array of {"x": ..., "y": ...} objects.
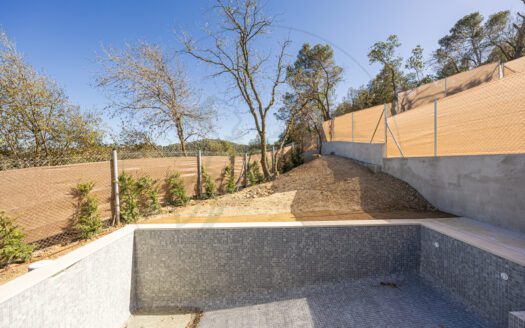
[
  {"x": 296, "y": 159},
  {"x": 88, "y": 222},
  {"x": 254, "y": 174},
  {"x": 209, "y": 186},
  {"x": 12, "y": 246},
  {"x": 148, "y": 196},
  {"x": 175, "y": 190},
  {"x": 129, "y": 200},
  {"x": 291, "y": 161},
  {"x": 229, "y": 175}
]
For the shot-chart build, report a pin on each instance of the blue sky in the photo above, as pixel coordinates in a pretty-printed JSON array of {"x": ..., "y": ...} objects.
[{"x": 61, "y": 39}]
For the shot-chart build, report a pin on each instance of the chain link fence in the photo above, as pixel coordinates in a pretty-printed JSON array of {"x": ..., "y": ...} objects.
[
  {"x": 39, "y": 194},
  {"x": 473, "y": 113}
]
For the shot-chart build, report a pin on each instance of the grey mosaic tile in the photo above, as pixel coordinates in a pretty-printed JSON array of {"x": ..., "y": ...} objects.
[
  {"x": 210, "y": 267},
  {"x": 357, "y": 303},
  {"x": 473, "y": 276}
]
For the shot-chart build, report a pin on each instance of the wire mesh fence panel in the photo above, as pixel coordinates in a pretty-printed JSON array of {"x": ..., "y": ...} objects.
[
  {"x": 488, "y": 119},
  {"x": 425, "y": 94},
  {"x": 514, "y": 66},
  {"x": 411, "y": 133},
  {"x": 42, "y": 201},
  {"x": 365, "y": 125}
]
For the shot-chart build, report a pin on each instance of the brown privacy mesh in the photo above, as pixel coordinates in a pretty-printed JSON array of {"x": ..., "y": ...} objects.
[
  {"x": 488, "y": 119},
  {"x": 39, "y": 195},
  {"x": 515, "y": 66},
  {"x": 426, "y": 93},
  {"x": 483, "y": 113},
  {"x": 368, "y": 125}
]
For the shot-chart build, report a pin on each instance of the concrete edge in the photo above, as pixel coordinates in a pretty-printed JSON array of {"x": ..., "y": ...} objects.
[
  {"x": 28, "y": 280},
  {"x": 502, "y": 245},
  {"x": 288, "y": 224}
]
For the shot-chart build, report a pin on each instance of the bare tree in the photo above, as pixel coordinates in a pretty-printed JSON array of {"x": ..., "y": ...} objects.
[
  {"x": 143, "y": 82},
  {"x": 294, "y": 105},
  {"x": 233, "y": 54}
]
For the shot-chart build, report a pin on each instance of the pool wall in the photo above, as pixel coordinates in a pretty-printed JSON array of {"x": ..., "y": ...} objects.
[
  {"x": 89, "y": 287},
  {"x": 212, "y": 268},
  {"x": 473, "y": 276}
]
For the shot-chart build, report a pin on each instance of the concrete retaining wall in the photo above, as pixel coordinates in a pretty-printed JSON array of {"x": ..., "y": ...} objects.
[
  {"x": 89, "y": 287},
  {"x": 363, "y": 152},
  {"x": 489, "y": 188}
]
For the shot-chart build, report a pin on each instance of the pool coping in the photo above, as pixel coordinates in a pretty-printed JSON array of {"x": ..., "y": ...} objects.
[{"x": 502, "y": 243}]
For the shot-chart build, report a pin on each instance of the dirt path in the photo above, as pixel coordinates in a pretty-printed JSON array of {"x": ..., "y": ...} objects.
[{"x": 329, "y": 187}]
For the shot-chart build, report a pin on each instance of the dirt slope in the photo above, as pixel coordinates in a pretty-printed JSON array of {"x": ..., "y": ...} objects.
[{"x": 326, "y": 187}]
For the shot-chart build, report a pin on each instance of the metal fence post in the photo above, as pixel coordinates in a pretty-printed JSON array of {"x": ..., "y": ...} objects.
[
  {"x": 114, "y": 188},
  {"x": 386, "y": 129},
  {"x": 353, "y": 126},
  {"x": 245, "y": 170},
  {"x": 435, "y": 126},
  {"x": 199, "y": 174}
]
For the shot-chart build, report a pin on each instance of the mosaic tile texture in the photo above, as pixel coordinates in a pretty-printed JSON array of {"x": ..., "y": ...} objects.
[
  {"x": 210, "y": 268},
  {"x": 473, "y": 276},
  {"x": 358, "y": 304}
]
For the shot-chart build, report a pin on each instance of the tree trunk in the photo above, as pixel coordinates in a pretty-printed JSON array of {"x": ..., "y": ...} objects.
[
  {"x": 264, "y": 162},
  {"x": 180, "y": 134}
]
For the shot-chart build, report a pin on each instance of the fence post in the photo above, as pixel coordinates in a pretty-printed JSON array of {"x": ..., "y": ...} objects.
[
  {"x": 199, "y": 174},
  {"x": 114, "y": 188},
  {"x": 435, "y": 126},
  {"x": 386, "y": 129},
  {"x": 353, "y": 135},
  {"x": 446, "y": 87},
  {"x": 245, "y": 170}
]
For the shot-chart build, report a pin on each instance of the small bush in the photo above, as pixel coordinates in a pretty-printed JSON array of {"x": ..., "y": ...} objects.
[
  {"x": 88, "y": 222},
  {"x": 229, "y": 175},
  {"x": 129, "y": 200},
  {"x": 254, "y": 174},
  {"x": 12, "y": 246},
  {"x": 148, "y": 196},
  {"x": 291, "y": 161},
  {"x": 209, "y": 186},
  {"x": 175, "y": 190}
]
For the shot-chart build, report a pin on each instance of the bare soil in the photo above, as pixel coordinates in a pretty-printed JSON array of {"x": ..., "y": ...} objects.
[{"x": 329, "y": 187}]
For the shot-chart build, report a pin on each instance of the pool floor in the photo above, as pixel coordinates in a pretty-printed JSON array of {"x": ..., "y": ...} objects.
[{"x": 402, "y": 301}]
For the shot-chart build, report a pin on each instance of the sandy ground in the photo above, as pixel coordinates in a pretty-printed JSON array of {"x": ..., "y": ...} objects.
[{"x": 329, "y": 187}]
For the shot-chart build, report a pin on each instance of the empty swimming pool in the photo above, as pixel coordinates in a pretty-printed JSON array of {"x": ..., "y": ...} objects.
[{"x": 402, "y": 273}]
